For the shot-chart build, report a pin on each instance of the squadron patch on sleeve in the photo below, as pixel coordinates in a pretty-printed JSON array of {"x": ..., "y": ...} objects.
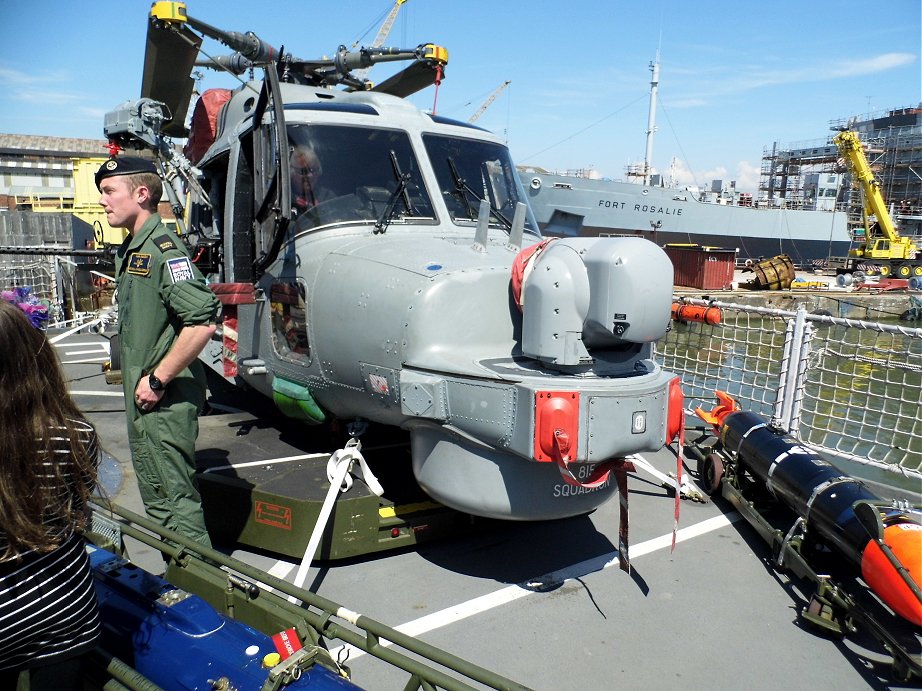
[
  {"x": 139, "y": 264},
  {"x": 165, "y": 242},
  {"x": 180, "y": 269}
]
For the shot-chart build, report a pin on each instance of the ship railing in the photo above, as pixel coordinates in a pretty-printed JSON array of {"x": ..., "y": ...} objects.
[
  {"x": 848, "y": 388},
  {"x": 54, "y": 281},
  {"x": 39, "y": 275}
]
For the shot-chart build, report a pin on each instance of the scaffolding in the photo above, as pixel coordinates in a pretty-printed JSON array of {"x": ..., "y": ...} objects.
[{"x": 801, "y": 175}]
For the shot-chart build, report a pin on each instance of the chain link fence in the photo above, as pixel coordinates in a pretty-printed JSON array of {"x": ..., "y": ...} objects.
[{"x": 850, "y": 389}]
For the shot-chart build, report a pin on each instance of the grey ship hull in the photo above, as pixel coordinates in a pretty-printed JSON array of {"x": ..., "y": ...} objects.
[{"x": 573, "y": 206}]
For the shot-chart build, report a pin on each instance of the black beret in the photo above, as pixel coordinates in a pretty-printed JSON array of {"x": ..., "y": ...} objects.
[{"x": 124, "y": 165}]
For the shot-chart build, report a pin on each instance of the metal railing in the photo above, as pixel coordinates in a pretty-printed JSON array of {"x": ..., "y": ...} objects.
[
  {"x": 849, "y": 389},
  {"x": 241, "y": 591}
]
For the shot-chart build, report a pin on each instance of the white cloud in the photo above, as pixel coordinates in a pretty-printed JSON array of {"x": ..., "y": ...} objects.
[
  {"x": 13, "y": 77},
  {"x": 746, "y": 176},
  {"x": 872, "y": 65},
  {"x": 47, "y": 97},
  {"x": 9, "y": 77},
  {"x": 92, "y": 113},
  {"x": 25, "y": 89},
  {"x": 710, "y": 83},
  {"x": 690, "y": 102}
]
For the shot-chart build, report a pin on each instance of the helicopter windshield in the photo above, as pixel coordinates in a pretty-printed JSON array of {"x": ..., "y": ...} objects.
[
  {"x": 470, "y": 171},
  {"x": 342, "y": 174}
]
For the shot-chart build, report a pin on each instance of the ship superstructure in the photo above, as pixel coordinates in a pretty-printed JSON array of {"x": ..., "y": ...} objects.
[
  {"x": 805, "y": 206},
  {"x": 804, "y": 174}
]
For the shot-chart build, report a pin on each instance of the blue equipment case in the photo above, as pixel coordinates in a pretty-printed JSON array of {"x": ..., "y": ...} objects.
[{"x": 177, "y": 640}]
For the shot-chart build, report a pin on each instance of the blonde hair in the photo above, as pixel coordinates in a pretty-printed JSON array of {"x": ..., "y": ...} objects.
[{"x": 149, "y": 180}]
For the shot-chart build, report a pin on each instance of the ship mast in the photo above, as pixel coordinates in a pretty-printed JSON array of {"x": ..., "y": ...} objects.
[{"x": 651, "y": 120}]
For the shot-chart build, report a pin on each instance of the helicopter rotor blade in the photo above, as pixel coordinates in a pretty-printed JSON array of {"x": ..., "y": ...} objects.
[
  {"x": 168, "y": 61},
  {"x": 409, "y": 80}
]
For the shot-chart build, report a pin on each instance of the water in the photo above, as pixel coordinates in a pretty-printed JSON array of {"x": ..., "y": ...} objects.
[{"x": 859, "y": 392}]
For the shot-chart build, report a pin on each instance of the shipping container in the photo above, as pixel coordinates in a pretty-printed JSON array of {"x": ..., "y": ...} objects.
[{"x": 705, "y": 268}]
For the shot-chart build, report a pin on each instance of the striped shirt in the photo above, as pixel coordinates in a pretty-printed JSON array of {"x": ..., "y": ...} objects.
[{"x": 48, "y": 609}]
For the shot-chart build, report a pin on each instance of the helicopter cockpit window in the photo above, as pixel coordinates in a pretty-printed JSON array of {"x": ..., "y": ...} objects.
[
  {"x": 470, "y": 171},
  {"x": 342, "y": 174},
  {"x": 289, "y": 320}
]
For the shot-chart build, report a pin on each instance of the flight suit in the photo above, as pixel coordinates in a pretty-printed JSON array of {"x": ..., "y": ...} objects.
[{"x": 160, "y": 290}]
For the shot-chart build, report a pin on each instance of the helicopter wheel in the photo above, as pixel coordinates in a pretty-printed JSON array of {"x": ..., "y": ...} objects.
[{"x": 710, "y": 472}]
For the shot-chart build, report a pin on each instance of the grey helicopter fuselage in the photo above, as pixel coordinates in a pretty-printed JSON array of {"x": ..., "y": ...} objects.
[{"x": 390, "y": 298}]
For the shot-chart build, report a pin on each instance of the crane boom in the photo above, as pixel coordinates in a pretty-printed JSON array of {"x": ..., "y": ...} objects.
[
  {"x": 492, "y": 97},
  {"x": 383, "y": 33},
  {"x": 883, "y": 246},
  {"x": 852, "y": 151},
  {"x": 387, "y": 25}
]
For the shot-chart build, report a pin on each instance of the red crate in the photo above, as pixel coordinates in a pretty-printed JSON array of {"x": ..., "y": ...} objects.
[{"x": 705, "y": 268}]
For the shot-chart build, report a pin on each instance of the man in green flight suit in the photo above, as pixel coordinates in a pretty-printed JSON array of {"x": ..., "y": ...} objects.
[{"x": 166, "y": 316}]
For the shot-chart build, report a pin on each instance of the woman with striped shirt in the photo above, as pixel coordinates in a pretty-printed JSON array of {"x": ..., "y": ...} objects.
[{"x": 48, "y": 459}]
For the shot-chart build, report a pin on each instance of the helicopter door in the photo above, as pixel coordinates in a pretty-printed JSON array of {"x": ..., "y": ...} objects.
[
  {"x": 238, "y": 257},
  {"x": 272, "y": 178},
  {"x": 258, "y": 199}
]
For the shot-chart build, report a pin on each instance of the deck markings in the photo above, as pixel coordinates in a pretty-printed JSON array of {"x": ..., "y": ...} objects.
[
  {"x": 511, "y": 593},
  {"x": 268, "y": 461},
  {"x": 118, "y": 394},
  {"x": 68, "y": 350},
  {"x": 92, "y": 351}
]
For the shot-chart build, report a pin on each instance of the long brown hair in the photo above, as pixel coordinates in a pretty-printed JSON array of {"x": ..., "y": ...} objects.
[{"x": 34, "y": 406}]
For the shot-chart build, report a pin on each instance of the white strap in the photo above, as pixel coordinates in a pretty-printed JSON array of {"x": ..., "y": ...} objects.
[
  {"x": 340, "y": 481},
  {"x": 349, "y": 454}
]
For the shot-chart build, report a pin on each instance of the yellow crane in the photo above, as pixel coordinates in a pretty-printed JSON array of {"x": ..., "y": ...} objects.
[
  {"x": 492, "y": 97},
  {"x": 382, "y": 34},
  {"x": 883, "y": 246}
]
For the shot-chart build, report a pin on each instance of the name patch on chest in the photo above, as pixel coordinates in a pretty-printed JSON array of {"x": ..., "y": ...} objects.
[
  {"x": 180, "y": 269},
  {"x": 139, "y": 264}
]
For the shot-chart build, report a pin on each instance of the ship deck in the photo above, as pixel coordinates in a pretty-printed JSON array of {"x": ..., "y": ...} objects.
[{"x": 545, "y": 603}]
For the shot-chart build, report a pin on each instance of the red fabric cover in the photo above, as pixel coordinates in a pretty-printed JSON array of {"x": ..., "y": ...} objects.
[
  {"x": 203, "y": 129},
  {"x": 521, "y": 265}
]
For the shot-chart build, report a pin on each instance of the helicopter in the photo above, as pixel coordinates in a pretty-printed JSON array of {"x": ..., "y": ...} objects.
[{"x": 378, "y": 263}]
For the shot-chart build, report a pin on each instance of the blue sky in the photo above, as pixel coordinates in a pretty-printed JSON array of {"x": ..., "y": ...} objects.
[{"x": 734, "y": 76}]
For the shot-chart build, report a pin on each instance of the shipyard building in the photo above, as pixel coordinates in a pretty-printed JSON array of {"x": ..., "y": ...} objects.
[
  {"x": 812, "y": 175},
  {"x": 49, "y": 202}
]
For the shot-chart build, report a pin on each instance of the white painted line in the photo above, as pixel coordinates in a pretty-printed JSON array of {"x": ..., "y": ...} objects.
[
  {"x": 281, "y": 570},
  {"x": 84, "y": 361},
  {"x": 119, "y": 394},
  {"x": 511, "y": 593},
  {"x": 71, "y": 332},
  {"x": 270, "y": 461},
  {"x": 94, "y": 351}
]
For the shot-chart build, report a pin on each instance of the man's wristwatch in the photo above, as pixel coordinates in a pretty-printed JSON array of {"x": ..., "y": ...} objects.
[{"x": 154, "y": 383}]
